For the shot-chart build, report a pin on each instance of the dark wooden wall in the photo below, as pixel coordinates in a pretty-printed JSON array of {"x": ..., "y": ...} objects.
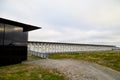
[{"x": 13, "y": 44}]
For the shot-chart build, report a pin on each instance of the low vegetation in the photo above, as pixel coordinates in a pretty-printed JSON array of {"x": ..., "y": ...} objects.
[
  {"x": 31, "y": 58},
  {"x": 110, "y": 58},
  {"x": 28, "y": 72},
  {"x": 34, "y": 72}
]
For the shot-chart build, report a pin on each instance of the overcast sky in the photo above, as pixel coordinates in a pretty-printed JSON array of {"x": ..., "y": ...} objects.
[{"x": 80, "y": 21}]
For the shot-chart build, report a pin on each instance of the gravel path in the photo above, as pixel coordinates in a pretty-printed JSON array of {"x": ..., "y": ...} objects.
[{"x": 79, "y": 70}]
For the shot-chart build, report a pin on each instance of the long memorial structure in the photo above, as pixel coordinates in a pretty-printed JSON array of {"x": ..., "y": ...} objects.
[{"x": 43, "y": 49}]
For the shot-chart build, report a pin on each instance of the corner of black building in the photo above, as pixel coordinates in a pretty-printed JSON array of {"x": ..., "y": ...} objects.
[{"x": 13, "y": 41}]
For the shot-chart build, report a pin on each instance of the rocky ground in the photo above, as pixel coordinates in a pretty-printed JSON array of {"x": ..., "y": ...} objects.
[{"x": 79, "y": 70}]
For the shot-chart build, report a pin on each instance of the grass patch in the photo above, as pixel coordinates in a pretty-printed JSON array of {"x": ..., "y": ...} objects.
[
  {"x": 28, "y": 72},
  {"x": 31, "y": 58},
  {"x": 110, "y": 59}
]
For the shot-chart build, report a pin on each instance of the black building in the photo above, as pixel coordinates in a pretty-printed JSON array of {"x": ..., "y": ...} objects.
[{"x": 13, "y": 41}]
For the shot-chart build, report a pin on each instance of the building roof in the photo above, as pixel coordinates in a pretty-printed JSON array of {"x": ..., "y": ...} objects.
[
  {"x": 26, "y": 27},
  {"x": 72, "y": 44}
]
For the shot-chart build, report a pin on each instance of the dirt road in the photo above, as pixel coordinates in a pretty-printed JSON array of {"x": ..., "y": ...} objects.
[{"x": 79, "y": 70}]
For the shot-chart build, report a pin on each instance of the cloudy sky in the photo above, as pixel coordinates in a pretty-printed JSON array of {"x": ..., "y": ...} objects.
[{"x": 77, "y": 21}]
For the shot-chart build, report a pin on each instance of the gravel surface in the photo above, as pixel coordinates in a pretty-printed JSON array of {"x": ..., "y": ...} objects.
[{"x": 79, "y": 70}]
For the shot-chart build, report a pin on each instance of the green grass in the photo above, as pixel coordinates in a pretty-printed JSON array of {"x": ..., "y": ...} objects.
[
  {"x": 110, "y": 59},
  {"x": 31, "y": 58},
  {"x": 28, "y": 72}
]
